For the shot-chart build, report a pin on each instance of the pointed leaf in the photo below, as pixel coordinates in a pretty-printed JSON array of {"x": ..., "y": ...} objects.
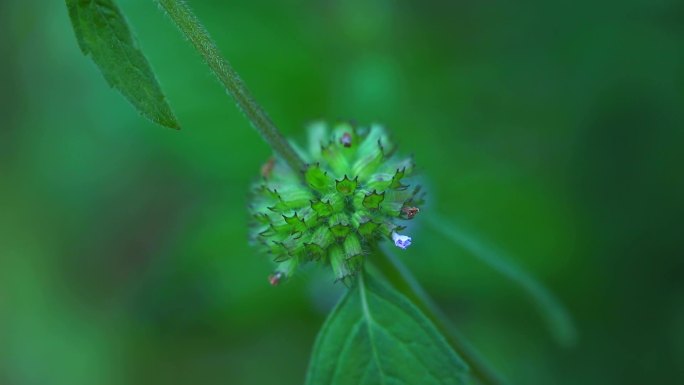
[
  {"x": 377, "y": 336},
  {"x": 104, "y": 35}
]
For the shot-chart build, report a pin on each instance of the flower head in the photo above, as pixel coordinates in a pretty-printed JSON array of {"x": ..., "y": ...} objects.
[
  {"x": 354, "y": 192},
  {"x": 401, "y": 241}
]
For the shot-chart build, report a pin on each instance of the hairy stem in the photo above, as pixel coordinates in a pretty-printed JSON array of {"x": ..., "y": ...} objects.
[
  {"x": 194, "y": 31},
  {"x": 400, "y": 277}
]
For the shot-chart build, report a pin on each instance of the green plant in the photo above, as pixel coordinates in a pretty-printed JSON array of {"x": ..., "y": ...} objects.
[{"x": 335, "y": 203}]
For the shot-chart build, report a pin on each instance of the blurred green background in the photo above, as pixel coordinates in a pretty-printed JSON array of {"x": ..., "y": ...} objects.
[{"x": 552, "y": 129}]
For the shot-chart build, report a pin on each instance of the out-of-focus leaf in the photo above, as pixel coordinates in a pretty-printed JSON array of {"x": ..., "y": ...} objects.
[
  {"x": 377, "y": 336},
  {"x": 557, "y": 317},
  {"x": 103, "y": 34}
]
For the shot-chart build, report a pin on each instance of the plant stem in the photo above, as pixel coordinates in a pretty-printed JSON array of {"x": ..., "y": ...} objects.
[
  {"x": 193, "y": 30},
  {"x": 400, "y": 277}
]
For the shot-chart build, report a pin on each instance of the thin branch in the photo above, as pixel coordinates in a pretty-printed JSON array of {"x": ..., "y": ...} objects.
[
  {"x": 400, "y": 277},
  {"x": 194, "y": 31}
]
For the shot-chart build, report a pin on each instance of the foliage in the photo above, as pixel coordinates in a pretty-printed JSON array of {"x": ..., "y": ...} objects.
[
  {"x": 376, "y": 336},
  {"x": 547, "y": 132},
  {"x": 343, "y": 202},
  {"x": 104, "y": 35}
]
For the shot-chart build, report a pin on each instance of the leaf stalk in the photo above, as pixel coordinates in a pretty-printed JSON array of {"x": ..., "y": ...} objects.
[
  {"x": 190, "y": 26},
  {"x": 400, "y": 277}
]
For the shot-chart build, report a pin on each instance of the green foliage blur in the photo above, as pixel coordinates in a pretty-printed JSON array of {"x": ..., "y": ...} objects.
[{"x": 552, "y": 129}]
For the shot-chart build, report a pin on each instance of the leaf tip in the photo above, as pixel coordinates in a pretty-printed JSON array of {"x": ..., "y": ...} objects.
[{"x": 167, "y": 119}]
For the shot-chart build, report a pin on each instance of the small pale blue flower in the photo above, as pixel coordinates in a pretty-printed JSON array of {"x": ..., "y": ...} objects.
[{"x": 401, "y": 241}]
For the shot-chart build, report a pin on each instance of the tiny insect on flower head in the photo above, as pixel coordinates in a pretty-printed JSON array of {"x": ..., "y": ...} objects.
[{"x": 401, "y": 241}]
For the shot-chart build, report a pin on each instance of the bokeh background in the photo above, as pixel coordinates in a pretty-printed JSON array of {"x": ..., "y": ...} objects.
[{"x": 552, "y": 129}]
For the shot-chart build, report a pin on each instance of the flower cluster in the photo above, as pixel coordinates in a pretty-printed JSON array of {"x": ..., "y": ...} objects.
[{"x": 353, "y": 193}]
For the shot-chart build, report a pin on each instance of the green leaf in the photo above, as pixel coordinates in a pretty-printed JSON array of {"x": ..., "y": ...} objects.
[
  {"x": 103, "y": 34},
  {"x": 556, "y": 316},
  {"x": 375, "y": 336}
]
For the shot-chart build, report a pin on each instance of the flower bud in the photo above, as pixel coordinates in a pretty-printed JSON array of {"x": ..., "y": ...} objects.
[{"x": 354, "y": 192}]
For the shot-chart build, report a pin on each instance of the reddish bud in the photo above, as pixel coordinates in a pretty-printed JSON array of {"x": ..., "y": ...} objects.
[
  {"x": 267, "y": 168},
  {"x": 275, "y": 278},
  {"x": 410, "y": 212}
]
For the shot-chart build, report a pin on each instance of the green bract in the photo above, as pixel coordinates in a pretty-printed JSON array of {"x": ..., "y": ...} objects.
[{"x": 354, "y": 192}]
